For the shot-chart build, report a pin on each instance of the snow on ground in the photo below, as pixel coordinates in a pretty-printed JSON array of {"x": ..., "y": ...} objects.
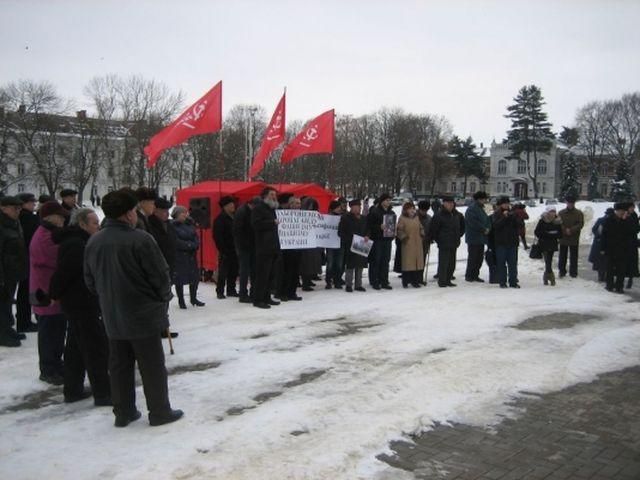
[{"x": 380, "y": 364}]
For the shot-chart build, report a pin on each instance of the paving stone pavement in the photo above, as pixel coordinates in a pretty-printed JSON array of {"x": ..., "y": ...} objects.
[{"x": 587, "y": 431}]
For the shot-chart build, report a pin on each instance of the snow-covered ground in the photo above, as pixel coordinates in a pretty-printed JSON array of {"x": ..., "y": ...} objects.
[{"x": 379, "y": 364}]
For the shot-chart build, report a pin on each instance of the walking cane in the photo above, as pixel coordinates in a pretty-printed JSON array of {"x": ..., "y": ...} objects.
[
  {"x": 426, "y": 267},
  {"x": 170, "y": 341}
]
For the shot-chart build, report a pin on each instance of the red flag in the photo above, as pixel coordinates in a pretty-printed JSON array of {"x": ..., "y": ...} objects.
[
  {"x": 273, "y": 136},
  {"x": 315, "y": 137},
  {"x": 204, "y": 116}
]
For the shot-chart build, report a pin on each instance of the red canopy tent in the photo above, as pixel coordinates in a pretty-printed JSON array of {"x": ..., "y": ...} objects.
[{"x": 213, "y": 190}]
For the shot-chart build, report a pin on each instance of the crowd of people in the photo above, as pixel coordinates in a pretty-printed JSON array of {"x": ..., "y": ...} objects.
[{"x": 100, "y": 291}]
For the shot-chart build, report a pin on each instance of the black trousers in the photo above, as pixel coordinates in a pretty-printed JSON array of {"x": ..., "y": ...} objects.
[
  {"x": 616, "y": 271},
  {"x": 379, "y": 259},
  {"x": 573, "y": 260},
  {"x": 86, "y": 349},
  {"x": 52, "y": 330},
  {"x": 474, "y": 261},
  {"x": 246, "y": 270},
  {"x": 264, "y": 276},
  {"x": 148, "y": 352},
  {"x": 23, "y": 307},
  {"x": 548, "y": 261},
  {"x": 446, "y": 265},
  {"x": 227, "y": 272},
  {"x": 290, "y": 273}
]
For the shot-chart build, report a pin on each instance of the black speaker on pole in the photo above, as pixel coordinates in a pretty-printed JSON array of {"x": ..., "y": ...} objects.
[{"x": 200, "y": 211}]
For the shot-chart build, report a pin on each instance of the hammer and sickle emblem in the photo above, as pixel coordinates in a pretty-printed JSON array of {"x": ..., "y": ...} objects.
[{"x": 311, "y": 134}]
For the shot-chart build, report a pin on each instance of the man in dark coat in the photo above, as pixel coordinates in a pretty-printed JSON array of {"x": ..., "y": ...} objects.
[
  {"x": 125, "y": 268},
  {"x": 616, "y": 243},
  {"x": 227, "y": 256},
  {"x": 69, "y": 201},
  {"x": 572, "y": 223},
  {"x": 243, "y": 238},
  {"x": 164, "y": 232},
  {"x": 267, "y": 244},
  {"x": 335, "y": 261},
  {"x": 146, "y": 206},
  {"x": 13, "y": 267},
  {"x": 86, "y": 347},
  {"x": 446, "y": 231},
  {"x": 381, "y": 224},
  {"x": 291, "y": 262},
  {"x": 425, "y": 221},
  {"x": 477, "y": 226},
  {"x": 506, "y": 225},
  {"x": 352, "y": 223},
  {"x": 29, "y": 222}
]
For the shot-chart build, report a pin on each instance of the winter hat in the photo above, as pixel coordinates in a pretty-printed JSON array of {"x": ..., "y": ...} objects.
[
  {"x": 146, "y": 193},
  {"x": 163, "y": 203},
  {"x": 10, "y": 201},
  {"x": 117, "y": 203},
  {"x": 480, "y": 195},
  {"x": 26, "y": 197},
  {"x": 226, "y": 200},
  {"x": 355, "y": 202},
  {"x": 284, "y": 198},
  {"x": 255, "y": 201},
  {"x": 333, "y": 205},
  {"x": 52, "y": 208},
  {"x": 550, "y": 208},
  {"x": 502, "y": 200},
  {"x": 44, "y": 198},
  {"x": 424, "y": 205},
  {"x": 447, "y": 198},
  {"x": 570, "y": 199},
  {"x": 67, "y": 192}
]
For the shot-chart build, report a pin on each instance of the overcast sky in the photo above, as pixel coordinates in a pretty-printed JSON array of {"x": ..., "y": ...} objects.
[{"x": 465, "y": 60}]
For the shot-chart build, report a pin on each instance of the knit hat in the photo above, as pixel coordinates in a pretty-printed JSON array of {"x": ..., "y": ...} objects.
[{"x": 52, "y": 208}]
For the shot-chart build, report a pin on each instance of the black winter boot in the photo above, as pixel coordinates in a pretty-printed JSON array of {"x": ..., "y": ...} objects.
[
  {"x": 193, "y": 290},
  {"x": 180, "y": 294}
]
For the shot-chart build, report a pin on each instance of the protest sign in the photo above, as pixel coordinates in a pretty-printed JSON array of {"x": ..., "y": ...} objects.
[
  {"x": 389, "y": 225},
  {"x": 296, "y": 228},
  {"x": 327, "y": 231},
  {"x": 360, "y": 246}
]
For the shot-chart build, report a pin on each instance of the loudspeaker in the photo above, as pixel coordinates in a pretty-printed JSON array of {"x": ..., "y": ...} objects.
[{"x": 200, "y": 211}]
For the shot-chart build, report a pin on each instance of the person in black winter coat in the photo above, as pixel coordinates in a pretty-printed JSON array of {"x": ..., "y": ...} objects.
[
  {"x": 597, "y": 259},
  {"x": 616, "y": 243},
  {"x": 187, "y": 244},
  {"x": 351, "y": 224},
  {"x": 548, "y": 231},
  {"x": 245, "y": 248},
  {"x": 164, "y": 232},
  {"x": 86, "y": 347},
  {"x": 13, "y": 267},
  {"x": 634, "y": 228},
  {"x": 227, "y": 256},
  {"x": 267, "y": 246},
  {"x": 446, "y": 229},
  {"x": 381, "y": 224},
  {"x": 506, "y": 226},
  {"x": 125, "y": 268},
  {"x": 29, "y": 222},
  {"x": 291, "y": 260}
]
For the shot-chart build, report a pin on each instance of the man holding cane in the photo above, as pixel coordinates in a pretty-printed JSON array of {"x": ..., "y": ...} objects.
[{"x": 127, "y": 271}]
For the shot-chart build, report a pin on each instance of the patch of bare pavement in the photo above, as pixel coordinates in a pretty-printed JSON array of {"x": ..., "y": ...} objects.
[{"x": 556, "y": 320}]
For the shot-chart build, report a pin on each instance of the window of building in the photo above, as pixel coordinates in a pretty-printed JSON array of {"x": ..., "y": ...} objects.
[
  {"x": 20, "y": 168},
  {"x": 453, "y": 186},
  {"x": 21, "y": 148},
  {"x": 472, "y": 187},
  {"x": 110, "y": 172},
  {"x": 580, "y": 188},
  {"x": 43, "y": 189},
  {"x": 43, "y": 149},
  {"x": 21, "y": 188},
  {"x": 604, "y": 189},
  {"x": 4, "y": 148},
  {"x": 522, "y": 166},
  {"x": 502, "y": 167},
  {"x": 542, "y": 167},
  {"x": 62, "y": 151},
  {"x": 111, "y": 154},
  {"x": 176, "y": 174},
  {"x": 544, "y": 187}
]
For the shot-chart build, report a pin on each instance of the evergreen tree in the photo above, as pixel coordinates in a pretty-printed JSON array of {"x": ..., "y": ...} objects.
[
  {"x": 530, "y": 132},
  {"x": 467, "y": 159},
  {"x": 622, "y": 188},
  {"x": 570, "y": 185}
]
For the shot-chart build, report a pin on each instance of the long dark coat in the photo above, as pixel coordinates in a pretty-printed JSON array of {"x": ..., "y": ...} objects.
[
  {"x": 265, "y": 230},
  {"x": 14, "y": 264},
  {"x": 165, "y": 236},
  {"x": 634, "y": 227},
  {"x": 595, "y": 257},
  {"x": 187, "y": 244},
  {"x": 349, "y": 226}
]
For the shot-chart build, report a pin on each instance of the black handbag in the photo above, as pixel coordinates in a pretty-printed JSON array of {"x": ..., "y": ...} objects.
[{"x": 535, "y": 251}]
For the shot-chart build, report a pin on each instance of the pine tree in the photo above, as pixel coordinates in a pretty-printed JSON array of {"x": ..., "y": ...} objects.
[
  {"x": 570, "y": 185},
  {"x": 530, "y": 132},
  {"x": 467, "y": 159},
  {"x": 622, "y": 188}
]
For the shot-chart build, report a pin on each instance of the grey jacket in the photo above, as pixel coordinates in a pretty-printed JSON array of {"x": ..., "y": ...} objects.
[{"x": 125, "y": 268}]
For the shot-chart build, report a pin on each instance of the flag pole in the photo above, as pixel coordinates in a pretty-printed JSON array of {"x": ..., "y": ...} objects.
[{"x": 285, "y": 132}]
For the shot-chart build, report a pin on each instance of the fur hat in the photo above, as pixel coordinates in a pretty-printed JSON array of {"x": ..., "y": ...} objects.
[
  {"x": 146, "y": 193},
  {"x": 424, "y": 205},
  {"x": 52, "y": 208},
  {"x": 355, "y": 202},
  {"x": 480, "y": 195},
  {"x": 26, "y": 197},
  {"x": 118, "y": 202},
  {"x": 502, "y": 200},
  {"x": 163, "y": 203},
  {"x": 333, "y": 205},
  {"x": 447, "y": 198},
  {"x": 226, "y": 200}
]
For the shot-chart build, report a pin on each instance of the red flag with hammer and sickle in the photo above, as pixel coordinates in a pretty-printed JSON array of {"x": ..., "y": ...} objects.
[
  {"x": 204, "y": 116},
  {"x": 316, "y": 137},
  {"x": 273, "y": 136}
]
